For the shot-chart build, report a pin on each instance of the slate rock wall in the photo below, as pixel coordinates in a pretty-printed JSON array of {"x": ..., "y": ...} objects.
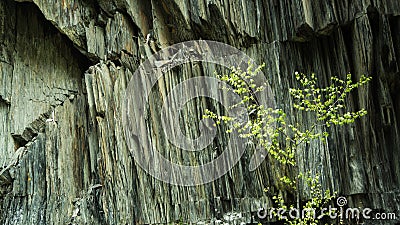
[{"x": 71, "y": 60}]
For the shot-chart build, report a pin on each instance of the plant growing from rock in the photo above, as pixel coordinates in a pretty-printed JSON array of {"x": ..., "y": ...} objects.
[{"x": 282, "y": 138}]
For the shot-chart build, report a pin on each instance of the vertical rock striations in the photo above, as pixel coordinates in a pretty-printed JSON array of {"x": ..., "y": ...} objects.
[{"x": 65, "y": 65}]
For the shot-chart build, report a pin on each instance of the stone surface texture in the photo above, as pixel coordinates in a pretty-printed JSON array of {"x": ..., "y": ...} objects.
[{"x": 65, "y": 65}]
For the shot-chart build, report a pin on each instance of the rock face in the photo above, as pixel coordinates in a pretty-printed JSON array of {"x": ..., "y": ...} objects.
[{"x": 65, "y": 65}]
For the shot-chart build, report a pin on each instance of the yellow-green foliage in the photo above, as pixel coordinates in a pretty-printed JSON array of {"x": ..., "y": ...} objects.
[{"x": 270, "y": 129}]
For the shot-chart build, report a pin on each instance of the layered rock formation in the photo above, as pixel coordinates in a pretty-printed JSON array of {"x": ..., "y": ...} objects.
[{"x": 65, "y": 66}]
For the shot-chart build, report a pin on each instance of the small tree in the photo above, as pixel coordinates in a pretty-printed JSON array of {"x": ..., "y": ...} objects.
[{"x": 272, "y": 130}]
